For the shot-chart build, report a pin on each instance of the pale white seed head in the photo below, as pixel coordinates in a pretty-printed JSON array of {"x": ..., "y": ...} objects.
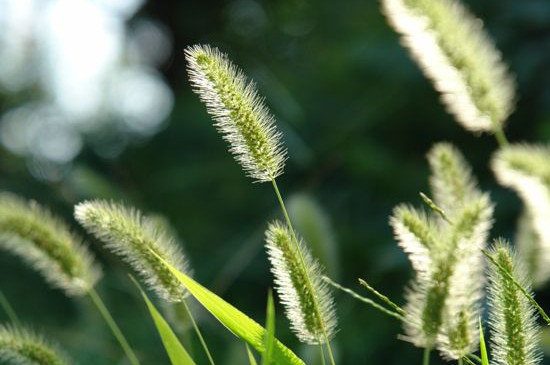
[
  {"x": 452, "y": 49},
  {"x": 132, "y": 236},
  {"x": 239, "y": 112},
  {"x": 44, "y": 242},
  {"x": 310, "y": 309},
  {"x": 452, "y": 182},
  {"x": 526, "y": 169},
  {"x": 459, "y": 333}
]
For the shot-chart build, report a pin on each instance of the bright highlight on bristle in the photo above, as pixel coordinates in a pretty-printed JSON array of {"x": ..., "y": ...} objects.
[
  {"x": 443, "y": 300},
  {"x": 22, "y": 347},
  {"x": 31, "y": 232},
  {"x": 310, "y": 309},
  {"x": 129, "y": 234},
  {"x": 526, "y": 169},
  {"x": 240, "y": 113},
  {"x": 456, "y": 54},
  {"x": 512, "y": 319}
]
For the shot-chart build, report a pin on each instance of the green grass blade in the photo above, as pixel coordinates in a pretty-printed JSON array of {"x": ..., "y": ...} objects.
[
  {"x": 270, "y": 330},
  {"x": 234, "y": 320},
  {"x": 482, "y": 347},
  {"x": 175, "y": 350},
  {"x": 251, "y": 357}
]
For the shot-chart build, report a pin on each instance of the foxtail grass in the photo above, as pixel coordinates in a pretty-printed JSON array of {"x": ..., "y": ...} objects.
[
  {"x": 246, "y": 124},
  {"x": 20, "y": 346},
  {"x": 310, "y": 324},
  {"x": 32, "y": 233},
  {"x": 456, "y": 54},
  {"x": 512, "y": 318},
  {"x": 140, "y": 240}
]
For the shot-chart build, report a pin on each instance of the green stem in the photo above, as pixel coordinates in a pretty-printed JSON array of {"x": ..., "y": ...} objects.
[
  {"x": 460, "y": 361},
  {"x": 426, "y": 358},
  {"x": 113, "y": 326},
  {"x": 322, "y": 354},
  {"x": 6, "y": 306},
  {"x": 310, "y": 286},
  {"x": 199, "y": 334},
  {"x": 501, "y": 137},
  {"x": 469, "y": 361},
  {"x": 382, "y": 297},
  {"x": 364, "y": 300}
]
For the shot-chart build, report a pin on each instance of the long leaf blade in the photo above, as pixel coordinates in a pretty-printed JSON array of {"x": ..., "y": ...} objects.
[
  {"x": 175, "y": 350},
  {"x": 482, "y": 347},
  {"x": 270, "y": 330},
  {"x": 234, "y": 320}
]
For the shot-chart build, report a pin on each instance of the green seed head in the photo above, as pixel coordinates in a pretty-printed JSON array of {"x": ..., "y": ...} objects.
[
  {"x": 34, "y": 234},
  {"x": 22, "y": 347},
  {"x": 134, "y": 237},
  {"x": 512, "y": 319},
  {"x": 309, "y": 308},
  {"x": 240, "y": 114}
]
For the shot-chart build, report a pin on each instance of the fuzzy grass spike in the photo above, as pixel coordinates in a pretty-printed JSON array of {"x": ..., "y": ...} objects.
[
  {"x": 240, "y": 113},
  {"x": 129, "y": 234},
  {"x": 43, "y": 241},
  {"x": 456, "y": 54},
  {"x": 526, "y": 169},
  {"x": 22, "y": 347},
  {"x": 309, "y": 309},
  {"x": 512, "y": 319}
]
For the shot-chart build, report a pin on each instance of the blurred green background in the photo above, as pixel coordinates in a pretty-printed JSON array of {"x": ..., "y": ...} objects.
[{"x": 357, "y": 115}]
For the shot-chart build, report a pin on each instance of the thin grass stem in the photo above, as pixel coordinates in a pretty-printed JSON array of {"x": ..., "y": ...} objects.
[
  {"x": 382, "y": 297},
  {"x": 426, "y": 357},
  {"x": 500, "y": 136},
  {"x": 460, "y": 362},
  {"x": 10, "y": 312},
  {"x": 198, "y": 332},
  {"x": 475, "y": 357},
  {"x": 113, "y": 326},
  {"x": 296, "y": 243},
  {"x": 322, "y": 354},
  {"x": 364, "y": 300},
  {"x": 519, "y": 286},
  {"x": 469, "y": 361}
]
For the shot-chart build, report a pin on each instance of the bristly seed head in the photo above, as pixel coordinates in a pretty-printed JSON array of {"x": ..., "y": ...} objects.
[
  {"x": 310, "y": 309},
  {"x": 240, "y": 114},
  {"x": 455, "y": 53},
  {"x": 526, "y": 169},
  {"x": 512, "y": 319},
  {"x": 44, "y": 242},
  {"x": 18, "y": 346},
  {"x": 132, "y": 236}
]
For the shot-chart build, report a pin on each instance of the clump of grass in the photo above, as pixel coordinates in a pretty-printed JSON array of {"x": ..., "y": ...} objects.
[{"x": 46, "y": 243}]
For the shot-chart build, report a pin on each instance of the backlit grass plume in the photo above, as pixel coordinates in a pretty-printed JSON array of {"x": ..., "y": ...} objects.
[
  {"x": 299, "y": 284},
  {"x": 443, "y": 300},
  {"x": 456, "y": 54},
  {"x": 512, "y": 320},
  {"x": 129, "y": 234},
  {"x": 451, "y": 181},
  {"x": 21, "y": 347},
  {"x": 240, "y": 114},
  {"x": 43, "y": 241},
  {"x": 526, "y": 169}
]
